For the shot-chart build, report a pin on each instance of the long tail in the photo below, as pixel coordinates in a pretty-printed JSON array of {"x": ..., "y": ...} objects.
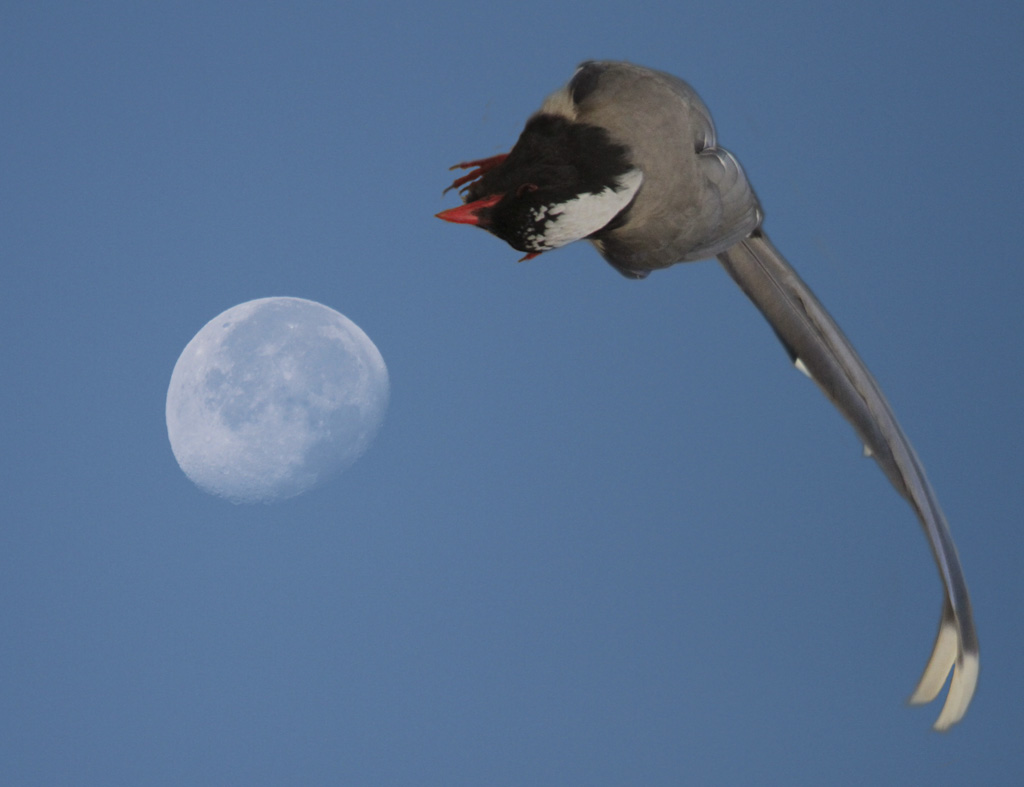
[{"x": 819, "y": 348}]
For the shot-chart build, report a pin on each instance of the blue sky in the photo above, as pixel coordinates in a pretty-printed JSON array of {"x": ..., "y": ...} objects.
[{"x": 606, "y": 535}]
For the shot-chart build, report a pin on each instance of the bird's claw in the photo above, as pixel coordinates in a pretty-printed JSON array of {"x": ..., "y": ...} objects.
[{"x": 483, "y": 166}]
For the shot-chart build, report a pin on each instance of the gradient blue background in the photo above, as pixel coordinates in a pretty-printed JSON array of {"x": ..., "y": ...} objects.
[{"x": 607, "y": 535}]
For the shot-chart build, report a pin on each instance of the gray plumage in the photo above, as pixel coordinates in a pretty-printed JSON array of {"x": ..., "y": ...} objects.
[{"x": 694, "y": 202}]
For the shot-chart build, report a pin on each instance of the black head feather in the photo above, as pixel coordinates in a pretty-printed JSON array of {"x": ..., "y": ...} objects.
[{"x": 554, "y": 161}]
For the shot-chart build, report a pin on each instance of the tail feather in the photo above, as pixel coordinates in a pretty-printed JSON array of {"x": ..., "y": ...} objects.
[{"x": 818, "y": 347}]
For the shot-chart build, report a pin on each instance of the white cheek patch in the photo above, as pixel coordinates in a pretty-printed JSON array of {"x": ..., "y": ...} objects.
[{"x": 585, "y": 214}]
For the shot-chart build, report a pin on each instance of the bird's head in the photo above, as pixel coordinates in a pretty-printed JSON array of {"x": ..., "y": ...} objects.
[{"x": 562, "y": 181}]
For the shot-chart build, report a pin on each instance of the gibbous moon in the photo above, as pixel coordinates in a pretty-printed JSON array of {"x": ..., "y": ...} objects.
[{"x": 272, "y": 398}]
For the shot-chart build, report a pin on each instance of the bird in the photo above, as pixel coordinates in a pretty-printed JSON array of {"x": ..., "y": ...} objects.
[{"x": 627, "y": 158}]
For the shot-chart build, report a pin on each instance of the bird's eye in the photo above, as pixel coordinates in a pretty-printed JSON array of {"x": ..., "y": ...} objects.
[{"x": 526, "y": 188}]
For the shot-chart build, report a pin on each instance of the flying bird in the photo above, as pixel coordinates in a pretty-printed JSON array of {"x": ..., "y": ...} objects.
[{"x": 626, "y": 157}]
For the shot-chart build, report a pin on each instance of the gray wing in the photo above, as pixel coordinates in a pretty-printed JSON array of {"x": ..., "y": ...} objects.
[{"x": 820, "y": 349}]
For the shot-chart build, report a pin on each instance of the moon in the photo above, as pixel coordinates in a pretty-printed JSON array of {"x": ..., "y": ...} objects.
[{"x": 272, "y": 398}]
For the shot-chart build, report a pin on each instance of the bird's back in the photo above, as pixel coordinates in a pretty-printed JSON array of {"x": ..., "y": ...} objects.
[{"x": 695, "y": 200}]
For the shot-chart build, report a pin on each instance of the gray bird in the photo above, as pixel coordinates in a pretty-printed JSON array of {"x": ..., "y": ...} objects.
[{"x": 626, "y": 157}]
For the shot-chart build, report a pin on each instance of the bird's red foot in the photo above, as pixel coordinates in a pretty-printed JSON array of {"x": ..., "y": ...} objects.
[{"x": 483, "y": 166}]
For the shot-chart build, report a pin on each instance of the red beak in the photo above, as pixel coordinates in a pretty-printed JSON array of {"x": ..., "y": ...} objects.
[{"x": 468, "y": 213}]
